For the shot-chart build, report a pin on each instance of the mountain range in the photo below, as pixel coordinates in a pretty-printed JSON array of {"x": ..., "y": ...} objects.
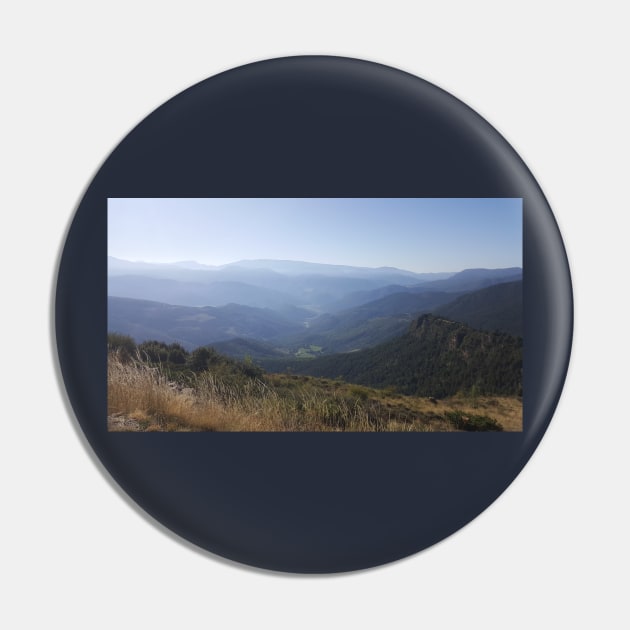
[
  {"x": 498, "y": 307},
  {"x": 272, "y": 308},
  {"x": 432, "y": 335},
  {"x": 193, "y": 326},
  {"x": 265, "y": 284}
]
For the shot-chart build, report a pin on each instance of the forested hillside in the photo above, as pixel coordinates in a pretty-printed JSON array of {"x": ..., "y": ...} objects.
[{"x": 436, "y": 357}]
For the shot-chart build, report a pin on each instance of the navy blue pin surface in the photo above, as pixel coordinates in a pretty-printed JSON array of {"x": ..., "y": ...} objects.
[{"x": 316, "y": 127}]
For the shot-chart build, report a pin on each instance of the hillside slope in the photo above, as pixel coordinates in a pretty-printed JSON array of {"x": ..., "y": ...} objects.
[
  {"x": 436, "y": 357},
  {"x": 368, "y": 324},
  {"x": 193, "y": 326},
  {"x": 475, "y": 279},
  {"x": 499, "y": 307}
]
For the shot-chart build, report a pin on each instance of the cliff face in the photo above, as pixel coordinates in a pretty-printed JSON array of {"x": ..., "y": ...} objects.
[{"x": 450, "y": 335}]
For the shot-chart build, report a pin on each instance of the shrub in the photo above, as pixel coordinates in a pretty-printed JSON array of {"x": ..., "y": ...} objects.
[
  {"x": 359, "y": 392},
  {"x": 198, "y": 360},
  {"x": 154, "y": 351},
  {"x": 123, "y": 345},
  {"x": 469, "y": 422},
  {"x": 177, "y": 354}
]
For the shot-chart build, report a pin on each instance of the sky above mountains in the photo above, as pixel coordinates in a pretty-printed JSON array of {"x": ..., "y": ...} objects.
[{"x": 421, "y": 235}]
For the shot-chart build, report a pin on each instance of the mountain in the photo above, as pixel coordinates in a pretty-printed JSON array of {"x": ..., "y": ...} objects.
[
  {"x": 435, "y": 357},
  {"x": 348, "y": 337},
  {"x": 302, "y": 268},
  {"x": 335, "y": 308},
  {"x": 242, "y": 348},
  {"x": 305, "y": 285},
  {"x": 193, "y": 326},
  {"x": 172, "y": 291},
  {"x": 192, "y": 264},
  {"x": 467, "y": 280},
  {"x": 357, "y": 298},
  {"x": 499, "y": 307},
  {"x": 190, "y": 271},
  {"x": 368, "y": 324},
  {"x": 119, "y": 265},
  {"x": 473, "y": 279}
]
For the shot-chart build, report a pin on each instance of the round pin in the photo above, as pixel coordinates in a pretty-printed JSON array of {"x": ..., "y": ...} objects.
[{"x": 314, "y": 314}]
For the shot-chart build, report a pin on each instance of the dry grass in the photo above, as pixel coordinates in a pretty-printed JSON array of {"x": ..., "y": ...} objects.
[
  {"x": 141, "y": 398},
  {"x": 508, "y": 411}
]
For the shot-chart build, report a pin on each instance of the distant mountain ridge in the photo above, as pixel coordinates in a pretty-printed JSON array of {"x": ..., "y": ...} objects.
[
  {"x": 368, "y": 324},
  {"x": 274, "y": 284},
  {"x": 306, "y": 285},
  {"x": 473, "y": 279},
  {"x": 282, "y": 267},
  {"x": 302, "y": 268},
  {"x": 498, "y": 307},
  {"x": 170, "y": 291},
  {"x": 192, "y": 326}
]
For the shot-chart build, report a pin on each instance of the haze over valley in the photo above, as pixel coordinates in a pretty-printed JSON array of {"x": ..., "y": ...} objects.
[
  {"x": 291, "y": 306},
  {"x": 315, "y": 314}
]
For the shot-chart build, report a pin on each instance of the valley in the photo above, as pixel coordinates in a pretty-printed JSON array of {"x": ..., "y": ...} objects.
[
  {"x": 279, "y": 345},
  {"x": 288, "y": 312}
]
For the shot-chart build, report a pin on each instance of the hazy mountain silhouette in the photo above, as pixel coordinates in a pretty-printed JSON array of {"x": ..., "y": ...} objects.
[
  {"x": 193, "y": 326},
  {"x": 499, "y": 307}
]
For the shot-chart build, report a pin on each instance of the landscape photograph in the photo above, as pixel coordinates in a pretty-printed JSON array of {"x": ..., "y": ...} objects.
[{"x": 314, "y": 314}]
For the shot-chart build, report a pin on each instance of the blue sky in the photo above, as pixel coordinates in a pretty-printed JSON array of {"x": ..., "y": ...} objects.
[{"x": 420, "y": 235}]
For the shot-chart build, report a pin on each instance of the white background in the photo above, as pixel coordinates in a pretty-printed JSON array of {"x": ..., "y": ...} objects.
[{"x": 552, "y": 77}]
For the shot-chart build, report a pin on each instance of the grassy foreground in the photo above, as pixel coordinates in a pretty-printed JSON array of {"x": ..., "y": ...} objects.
[{"x": 144, "y": 397}]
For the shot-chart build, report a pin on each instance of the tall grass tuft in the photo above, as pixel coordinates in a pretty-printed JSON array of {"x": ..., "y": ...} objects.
[{"x": 144, "y": 395}]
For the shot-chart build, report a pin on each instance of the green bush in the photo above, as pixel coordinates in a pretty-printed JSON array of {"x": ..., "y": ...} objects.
[
  {"x": 359, "y": 392},
  {"x": 177, "y": 354},
  {"x": 154, "y": 351},
  {"x": 469, "y": 422},
  {"x": 198, "y": 360},
  {"x": 123, "y": 345}
]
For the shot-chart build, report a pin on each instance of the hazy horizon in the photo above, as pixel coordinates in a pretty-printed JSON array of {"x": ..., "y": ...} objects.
[
  {"x": 417, "y": 235},
  {"x": 308, "y": 262}
]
